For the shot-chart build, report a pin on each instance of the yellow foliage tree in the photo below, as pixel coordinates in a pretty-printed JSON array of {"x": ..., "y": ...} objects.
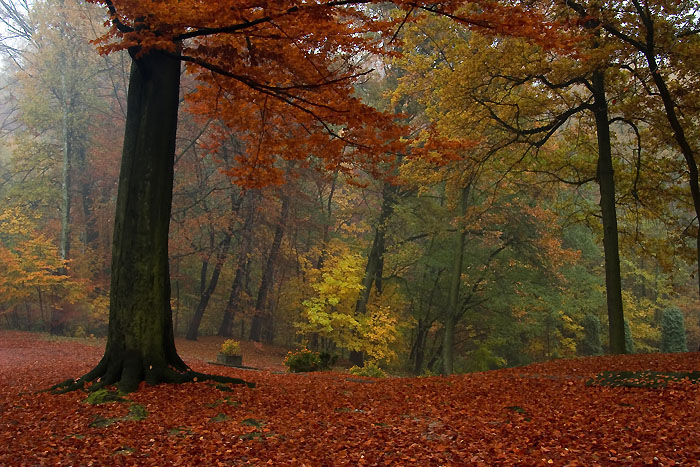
[
  {"x": 330, "y": 312},
  {"x": 29, "y": 262}
]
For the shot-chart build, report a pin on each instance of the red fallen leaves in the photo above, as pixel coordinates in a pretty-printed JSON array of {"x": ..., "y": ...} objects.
[{"x": 537, "y": 415}]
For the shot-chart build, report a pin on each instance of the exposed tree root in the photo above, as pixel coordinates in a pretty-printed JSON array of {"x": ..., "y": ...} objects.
[{"x": 128, "y": 371}]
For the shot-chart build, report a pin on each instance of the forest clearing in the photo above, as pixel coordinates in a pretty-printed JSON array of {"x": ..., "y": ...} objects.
[
  {"x": 463, "y": 232},
  {"x": 542, "y": 414}
]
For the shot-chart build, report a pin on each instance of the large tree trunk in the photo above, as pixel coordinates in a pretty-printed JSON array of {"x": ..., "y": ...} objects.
[
  {"x": 140, "y": 342},
  {"x": 606, "y": 182},
  {"x": 260, "y": 327}
]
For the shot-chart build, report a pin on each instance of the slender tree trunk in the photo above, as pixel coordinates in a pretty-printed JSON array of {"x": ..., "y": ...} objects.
[
  {"x": 207, "y": 292},
  {"x": 140, "y": 342},
  {"x": 226, "y": 328},
  {"x": 261, "y": 319},
  {"x": 57, "y": 314},
  {"x": 41, "y": 307},
  {"x": 683, "y": 144},
  {"x": 453, "y": 309},
  {"x": 90, "y": 231},
  {"x": 375, "y": 261},
  {"x": 64, "y": 247},
  {"x": 327, "y": 222},
  {"x": 606, "y": 182},
  {"x": 418, "y": 348},
  {"x": 648, "y": 48}
]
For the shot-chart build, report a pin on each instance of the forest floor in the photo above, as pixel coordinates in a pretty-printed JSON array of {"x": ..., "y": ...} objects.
[{"x": 541, "y": 414}]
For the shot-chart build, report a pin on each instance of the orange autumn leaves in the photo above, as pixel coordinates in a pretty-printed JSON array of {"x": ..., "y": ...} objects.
[
  {"x": 535, "y": 415},
  {"x": 281, "y": 76},
  {"x": 29, "y": 262}
]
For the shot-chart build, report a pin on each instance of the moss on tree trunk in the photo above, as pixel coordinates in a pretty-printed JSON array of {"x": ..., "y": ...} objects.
[{"x": 140, "y": 342}]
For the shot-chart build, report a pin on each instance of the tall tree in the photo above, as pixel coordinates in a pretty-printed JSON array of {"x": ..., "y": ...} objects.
[
  {"x": 665, "y": 35},
  {"x": 260, "y": 328},
  {"x": 236, "y": 52},
  {"x": 61, "y": 90}
]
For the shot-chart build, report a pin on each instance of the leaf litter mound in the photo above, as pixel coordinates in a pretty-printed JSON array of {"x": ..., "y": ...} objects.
[{"x": 543, "y": 414}]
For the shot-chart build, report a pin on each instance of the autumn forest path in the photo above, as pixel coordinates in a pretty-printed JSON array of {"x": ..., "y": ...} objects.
[{"x": 538, "y": 415}]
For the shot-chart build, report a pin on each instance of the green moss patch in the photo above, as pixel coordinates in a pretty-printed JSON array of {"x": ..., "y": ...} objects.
[
  {"x": 103, "y": 396},
  {"x": 220, "y": 417},
  {"x": 641, "y": 379},
  {"x": 136, "y": 413}
]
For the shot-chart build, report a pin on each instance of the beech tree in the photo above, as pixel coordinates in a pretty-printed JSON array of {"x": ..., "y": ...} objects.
[
  {"x": 664, "y": 35},
  {"x": 287, "y": 67}
]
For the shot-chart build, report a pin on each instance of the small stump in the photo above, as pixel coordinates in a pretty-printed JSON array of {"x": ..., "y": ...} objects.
[{"x": 230, "y": 360}]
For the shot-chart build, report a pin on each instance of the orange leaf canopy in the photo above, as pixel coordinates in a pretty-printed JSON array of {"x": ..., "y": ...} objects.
[{"x": 278, "y": 75}]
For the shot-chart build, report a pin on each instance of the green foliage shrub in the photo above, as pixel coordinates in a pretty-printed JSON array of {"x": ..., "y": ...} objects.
[
  {"x": 371, "y": 370},
  {"x": 103, "y": 396},
  {"x": 591, "y": 344},
  {"x": 673, "y": 331},
  {"x": 230, "y": 347},
  {"x": 302, "y": 361},
  {"x": 481, "y": 359},
  {"x": 305, "y": 360}
]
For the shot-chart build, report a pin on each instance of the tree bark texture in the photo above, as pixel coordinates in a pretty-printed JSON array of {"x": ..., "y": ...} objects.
[
  {"x": 453, "y": 307},
  {"x": 260, "y": 327},
  {"x": 140, "y": 342},
  {"x": 606, "y": 183}
]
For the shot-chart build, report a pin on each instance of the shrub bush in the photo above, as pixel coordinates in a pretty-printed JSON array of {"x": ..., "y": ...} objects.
[
  {"x": 302, "y": 361},
  {"x": 371, "y": 370},
  {"x": 230, "y": 347}
]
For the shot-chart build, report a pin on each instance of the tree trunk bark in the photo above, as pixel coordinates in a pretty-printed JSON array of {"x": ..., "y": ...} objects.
[
  {"x": 606, "y": 183},
  {"x": 207, "y": 292},
  {"x": 226, "y": 328},
  {"x": 453, "y": 311},
  {"x": 261, "y": 319},
  {"x": 375, "y": 261},
  {"x": 140, "y": 342}
]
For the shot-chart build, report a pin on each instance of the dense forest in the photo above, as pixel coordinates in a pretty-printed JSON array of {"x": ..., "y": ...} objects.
[{"x": 524, "y": 199}]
